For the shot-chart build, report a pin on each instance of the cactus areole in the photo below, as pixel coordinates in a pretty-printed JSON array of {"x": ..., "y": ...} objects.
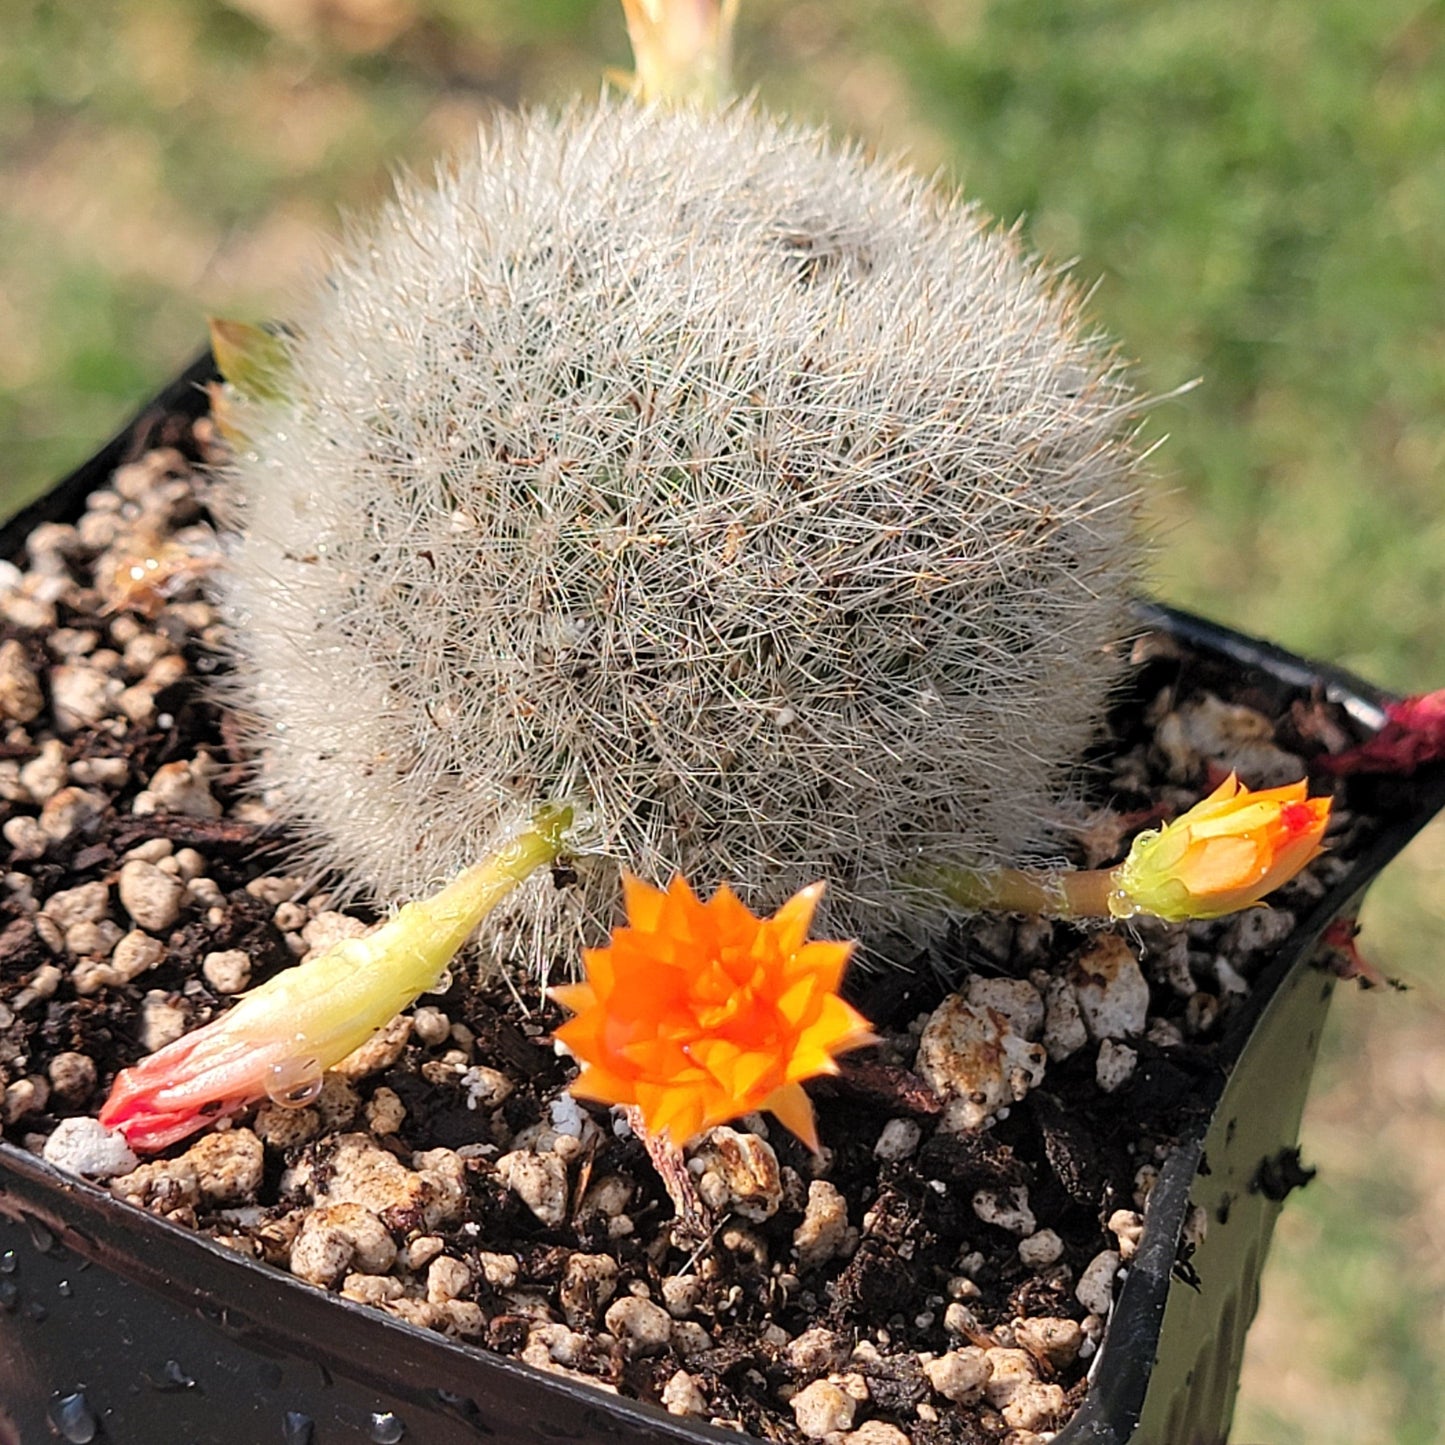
[{"x": 758, "y": 499}]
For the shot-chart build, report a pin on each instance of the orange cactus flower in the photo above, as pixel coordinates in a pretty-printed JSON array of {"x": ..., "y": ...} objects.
[
  {"x": 1224, "y": 854},
  {"x": 698, "y": 1013}
]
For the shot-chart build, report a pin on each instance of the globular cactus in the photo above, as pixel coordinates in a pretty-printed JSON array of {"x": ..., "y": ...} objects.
[{"x": 757, "y": 498}]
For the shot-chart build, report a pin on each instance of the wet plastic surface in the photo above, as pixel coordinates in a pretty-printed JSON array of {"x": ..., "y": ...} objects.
[{"x": 117, "y": 1326}]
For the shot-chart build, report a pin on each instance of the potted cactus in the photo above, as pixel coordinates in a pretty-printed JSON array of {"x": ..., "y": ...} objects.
[{"x": 775, "y": 514}]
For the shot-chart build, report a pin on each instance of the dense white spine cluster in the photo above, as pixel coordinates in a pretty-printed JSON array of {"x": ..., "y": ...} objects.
[{"x": 756, "y": 497}]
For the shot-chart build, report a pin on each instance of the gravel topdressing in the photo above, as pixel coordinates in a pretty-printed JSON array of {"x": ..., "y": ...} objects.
[{"x": 944, "y": 1271}]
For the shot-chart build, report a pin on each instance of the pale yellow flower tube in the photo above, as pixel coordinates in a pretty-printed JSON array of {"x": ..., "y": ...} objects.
[{"x": 281, "y": 1037}]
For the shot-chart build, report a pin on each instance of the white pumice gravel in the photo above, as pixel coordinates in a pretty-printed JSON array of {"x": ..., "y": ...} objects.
[
  {"x": 737, "y": 1172},
  {"x": 1095, "y": 1288},
  {"x": 960, "y": 1375},
  {"x": 1112, "y": 991},
  {"x": 973, "y": 1060},
  {"x": 822, "y": 1409},
  {"x": 86, "y": 1147},
  {"x": 539, "y": 1181}
]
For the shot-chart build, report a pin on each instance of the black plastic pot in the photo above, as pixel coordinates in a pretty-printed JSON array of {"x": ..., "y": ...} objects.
[{"x": 118, "y": 1326}]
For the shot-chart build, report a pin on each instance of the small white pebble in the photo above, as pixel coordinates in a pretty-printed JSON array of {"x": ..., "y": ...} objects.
[
  {"x": 1041, "y": 1249},
  {"x": 1127, "y": 1226},
  {"x": 162, "y": 1022},
  {"x": 642, "y": 1327},
  {"x": 900, "y": 1137},
  {"x": 151, "y": 897},
  {"x": 1015, "y": 998},
  {"x": 228, "y": 971},
  {"x": 960, "y": 1375},
  {"x": 1111, "y": 989},
  {"x": 1115, "y": 1065},
  {"x": 1006, "y": 1208},
  {"x": 1095, "y": 1289},
  {"x": 72, "y": 1076},
  {"x": 432, "y": 1026},
  {"x": 86, "y": 1147},
  {"x": 134, "y": 954},
  {"x": 539, "y": 1181},
  {"x": 385, "y": 1112},
  {"x": 683, "y": 1396},
  {"x": 824, "y": 1232},
  {"x": 822, "y": 1408}
]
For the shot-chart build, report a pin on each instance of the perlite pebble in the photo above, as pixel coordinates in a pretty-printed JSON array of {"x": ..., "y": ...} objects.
[
  {"x": 875, "y": 1432},
  {"x": 1006, "y": 1209},
  {"x": 72, "y": 1076},
  {"x": 823, "y": 1408},
  {"x": 228, "y": 1166},
  {"x": 1054, "y": 1340},
  {"x": 1034, "y": 1406},
  {"x": 85, "y": 904},
  {"x": 162, "y": 1021},
  {"x": 181, "y": 787},
  {"x": 1095, "y": 1289},
  {"x": 86, "y": 1147},
  {"x": 21, "y": 699},
  {"x": 900, "y": 1137},
  {"x": 682, "y": 1395},
  {"x": 588, "y": 1282},
  {"x": 1041, "y": 1249},
  {"x": 960, "y": 1375},
  {"x": 973, "y": 1060},
  {"x": 642, "y": 1327},
  {"x": 228, "y": 971},
  {"x": 738, "y": 1172},
  {"x": 1015, "y": 998},
  {"x": 1115, "y": 1065},
  {"x": 1127, "y": 1226},
  {"x": 151, "y": 897},
  {"x": 447, "y": 1279},
  {"x": 1111, "y": 989},
  {"x": 824, "y": 1232},
  {"x": 539, "y": 1181},
  {"x": 337, "y": 1237},
  {"x": 80, "y": 695}
]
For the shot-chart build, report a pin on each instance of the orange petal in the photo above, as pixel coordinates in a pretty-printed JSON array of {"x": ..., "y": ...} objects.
[{"x": 793, "y": 1109}]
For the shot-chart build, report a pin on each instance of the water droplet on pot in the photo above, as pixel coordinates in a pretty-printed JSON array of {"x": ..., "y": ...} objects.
[
  {"x": 386, "y": 1428},
  {"x": 9, "y": 1295},
  {"x": 298, "y": 1428},
  {"x": 64, "y": 1289},
  {"x": 293, "y": 1083},
  {"x": 40, "y": 1236},
  {"x": 37, "y": 1312},
  {"x": 73, "y": 1419},
  {"x": 172, "y": 1377},
  {"x": 8, "y": 1263}
]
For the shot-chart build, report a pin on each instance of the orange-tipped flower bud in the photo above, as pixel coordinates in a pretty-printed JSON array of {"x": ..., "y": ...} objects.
[{"x": 1224, "y": 854}]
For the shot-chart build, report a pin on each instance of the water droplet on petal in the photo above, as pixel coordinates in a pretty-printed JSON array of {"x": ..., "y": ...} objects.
[
  {"x": 293, "y": 1083},
  {"x": 73, "y": 1419},
  {"x": 386, "y": 1428}
]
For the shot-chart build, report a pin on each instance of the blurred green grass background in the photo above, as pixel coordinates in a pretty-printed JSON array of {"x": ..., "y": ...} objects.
[{"x": 1256, "y": 190}]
